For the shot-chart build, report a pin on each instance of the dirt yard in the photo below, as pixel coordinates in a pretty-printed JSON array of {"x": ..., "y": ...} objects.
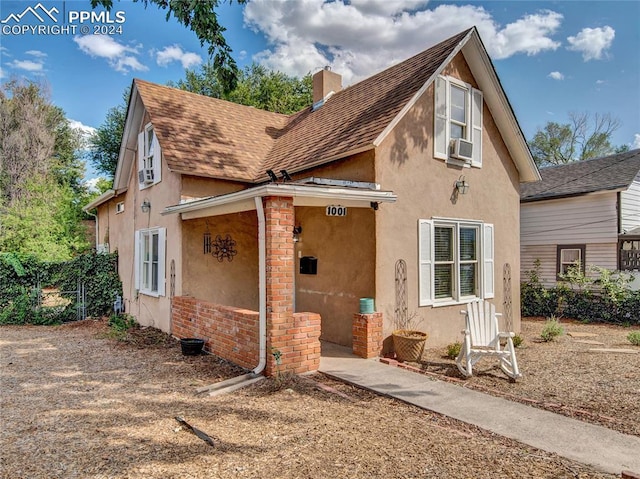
[
  {"x": 565, "y": 375},
  {"x": 76, "y": 404}
]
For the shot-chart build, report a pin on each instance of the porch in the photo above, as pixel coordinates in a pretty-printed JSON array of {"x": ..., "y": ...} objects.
[{"x": 293, "y": 271}]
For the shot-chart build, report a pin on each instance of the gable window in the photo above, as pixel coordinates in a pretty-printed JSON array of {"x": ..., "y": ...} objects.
[
  {"x": 457, "y": 122},
  {"x": 570, "y": 256},
  {"x": 149, "y": 171},
  {"x": 456, "y": 261},
  {"x": 149, "y": 261}
]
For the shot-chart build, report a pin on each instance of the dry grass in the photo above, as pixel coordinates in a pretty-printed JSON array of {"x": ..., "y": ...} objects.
[
  {"x": 563, "y": 375},
  {"x": 76, "y": 404}
]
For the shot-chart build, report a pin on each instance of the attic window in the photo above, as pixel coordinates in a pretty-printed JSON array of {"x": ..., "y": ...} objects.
[
  {"x": 457, "y": 122},
  {"x": 149, "y": 155}
]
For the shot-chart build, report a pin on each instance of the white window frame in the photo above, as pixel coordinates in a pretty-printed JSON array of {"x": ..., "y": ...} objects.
[
  {"x": 120, "y": 207},
  {"x": 144, "y": 264},
  {"x": 149, "y": 155},
  {"x": 427, "y": 261},
  {"x": 443, "y": 120}
]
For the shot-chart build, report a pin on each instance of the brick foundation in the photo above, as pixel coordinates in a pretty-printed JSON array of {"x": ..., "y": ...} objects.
[
  {"x": 230, "y": 333},
  {"x": 367, "y": 335}
]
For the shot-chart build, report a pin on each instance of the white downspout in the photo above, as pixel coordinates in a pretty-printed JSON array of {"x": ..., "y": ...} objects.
[{"x": 262, "y": 286}]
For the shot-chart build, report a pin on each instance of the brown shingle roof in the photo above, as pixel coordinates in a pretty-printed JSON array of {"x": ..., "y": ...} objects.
[
  {"x": 607, "y": 173},
  {"x": 354, "y": 117},
  {"x": 208, "y": 137},
  {"x": 205, "y": 136}
]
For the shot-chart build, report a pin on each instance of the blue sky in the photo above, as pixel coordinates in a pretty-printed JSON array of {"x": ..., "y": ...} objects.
[{"x": 552, "y": 57}]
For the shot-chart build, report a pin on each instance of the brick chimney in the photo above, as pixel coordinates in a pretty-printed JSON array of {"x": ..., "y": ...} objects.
[{"x": 324, "y": 82}]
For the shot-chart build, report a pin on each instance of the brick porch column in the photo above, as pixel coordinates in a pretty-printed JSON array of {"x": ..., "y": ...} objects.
[
  {"x": 295, "y": 338},
  {"x": 367, "y": 335}
]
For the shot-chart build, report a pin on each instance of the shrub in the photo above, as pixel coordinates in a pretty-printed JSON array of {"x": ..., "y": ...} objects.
[
  {"x": 551, "y": 330},
  {"x": 22, "y": 275},
  {"x": 517, "y": 341},
  {"x": 119, "y": 325},
  {"x": 453, "y": 350},
  {"x": 606, "y": 300},
  {"x": 634, "y": 338}
]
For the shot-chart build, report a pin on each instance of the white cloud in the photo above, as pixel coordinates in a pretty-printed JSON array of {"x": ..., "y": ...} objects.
[
  {"x": 636, "y": 141},
  {"x": 84, "y": 129},
  {"x": 556, "y": 76},
  {"x": 36, "y": 53},
  {"x": 2, "y": 74},
  {"x": 365, "y": 36},
  {"x": 175, "y": 53},
  {"x": 85, "y": 132},
  {"x": 119, "y": 56},
  {"x": 593, "y": 43},
  {"x": 91, "y": 184},
  {"x": 600, "y": 82},
  {"x": 28, "y": 65}
]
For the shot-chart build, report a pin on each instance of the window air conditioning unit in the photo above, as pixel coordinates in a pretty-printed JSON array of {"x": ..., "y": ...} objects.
[
  {"x": 145, "y": 176},
  {"x": 462, "y": 149}
]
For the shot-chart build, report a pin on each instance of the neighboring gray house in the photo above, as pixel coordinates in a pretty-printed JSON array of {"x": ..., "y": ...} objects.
[{"x": 587, "y": 211}]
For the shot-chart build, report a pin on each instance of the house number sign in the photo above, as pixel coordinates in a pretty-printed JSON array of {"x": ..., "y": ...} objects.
[{"x": 336, "y": 210}]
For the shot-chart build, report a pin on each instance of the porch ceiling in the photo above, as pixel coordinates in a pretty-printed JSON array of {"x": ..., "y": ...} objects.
[{"x": 303, "y": 195}]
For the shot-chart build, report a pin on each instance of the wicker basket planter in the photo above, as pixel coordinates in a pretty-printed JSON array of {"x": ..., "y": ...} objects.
[{"x": 408, "y": 344}]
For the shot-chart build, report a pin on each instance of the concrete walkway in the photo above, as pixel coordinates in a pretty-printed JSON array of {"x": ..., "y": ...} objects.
[{"x": 597, "y": 446}]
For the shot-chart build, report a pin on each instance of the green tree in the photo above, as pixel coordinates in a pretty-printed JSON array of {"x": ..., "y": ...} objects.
[
  {"x": 104, "y": 144},
  {"x": 584, "y": 137},
  {"x": 40, "y": 176},
  {"x": 257, "y": 86},
  {"x": 201, "y": 17}
]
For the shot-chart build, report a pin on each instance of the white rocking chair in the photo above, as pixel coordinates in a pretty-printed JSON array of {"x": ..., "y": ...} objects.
[{"x": 482, "y": 338}]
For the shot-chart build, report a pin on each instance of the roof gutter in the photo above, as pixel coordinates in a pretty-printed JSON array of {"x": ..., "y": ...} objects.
[
  {"x": 303, "y": 195},
  {"x": 103, "y": 198}
]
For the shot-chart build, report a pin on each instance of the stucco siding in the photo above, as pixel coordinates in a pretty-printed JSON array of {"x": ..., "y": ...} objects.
[
  {"x": 120, "y": 231},
  {"x": 630, "y": 207},
  {"x": 233, "y": 283},
  {"x": 579, "y": 220},
  {"x": 425, "y": 189},
  {"x": 345, "y": 250}
]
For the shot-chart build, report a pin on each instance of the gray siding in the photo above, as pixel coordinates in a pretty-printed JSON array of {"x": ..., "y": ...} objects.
[
  {"x": 580, "y": 220},
  {"x": 603, "y": 255},
  {"x": 630, "y": 206}
]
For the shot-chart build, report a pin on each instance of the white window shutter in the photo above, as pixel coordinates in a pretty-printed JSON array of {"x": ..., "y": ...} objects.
[
  {"x": 425, "y": 252},
  {"x": 140, "y": 157},
  {"x": 476, "y": 130},
  {"x": 488, "y": 287},
  {"x": 157, "y": 159},
  {"x": 162, "y": 243},
  {"x": 440, "y": 120},
  {"x": 136, "y": 259}
]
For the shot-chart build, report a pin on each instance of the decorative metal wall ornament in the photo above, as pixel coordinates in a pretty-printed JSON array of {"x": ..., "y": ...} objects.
[
  {"x": 172, "y": 280},
  {"x": 224, "y": 248},
  {"x": 508, "y": 312},
  {"x": 207, "y": 241},
  {"x": 401, "y": 309}
]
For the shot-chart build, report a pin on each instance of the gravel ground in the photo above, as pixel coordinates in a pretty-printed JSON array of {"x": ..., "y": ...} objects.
[
  {"x": 563, "y": 376},
  {"x": 76, "y": 404}
]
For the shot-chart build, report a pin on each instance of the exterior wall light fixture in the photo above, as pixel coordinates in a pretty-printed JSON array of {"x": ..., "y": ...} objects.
[
  {"x": 297, "y": 230},
  {"x": 145, "y": 206},
  {"x": 461, "y": 185}
]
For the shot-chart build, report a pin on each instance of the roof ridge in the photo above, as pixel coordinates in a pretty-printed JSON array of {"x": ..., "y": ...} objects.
[
  {"x": 208, "y": 98},
  {"x": 599, "y": 158}
]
